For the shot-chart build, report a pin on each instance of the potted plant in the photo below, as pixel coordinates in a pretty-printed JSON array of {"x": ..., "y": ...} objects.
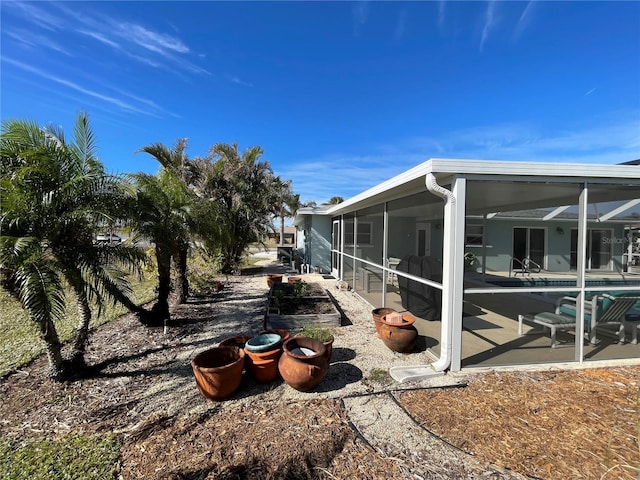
[{"x": 322, "y": 334}]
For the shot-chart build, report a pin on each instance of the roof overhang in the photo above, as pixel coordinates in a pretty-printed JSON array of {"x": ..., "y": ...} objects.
[{"x": 495, "y": 186}]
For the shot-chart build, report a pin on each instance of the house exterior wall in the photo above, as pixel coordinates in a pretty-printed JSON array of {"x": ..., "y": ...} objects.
[
  {"x": 499, "y": 243},
  {"x": 314, "y": 239}
]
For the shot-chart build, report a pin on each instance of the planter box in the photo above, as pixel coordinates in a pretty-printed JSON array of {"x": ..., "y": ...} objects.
[{"x": 314, "y": 308}]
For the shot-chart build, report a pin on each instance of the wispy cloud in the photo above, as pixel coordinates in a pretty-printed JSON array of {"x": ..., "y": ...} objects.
[
  {"x": 489, "y": 23},
  {"x": 590, "y": 92},
  {"x": 441, "y": 13},
  {"x": 237, "y": 81},
  {"x": 154, "y": 41},
  {"x": 131, "y": 39},
  {"x": 360, "y": 15},
  {"x": 100, "y": 38},
  {"x": 401, "y": 24},
  {"x": 40, "y": 16},
  {"x": 153, "y": 111},
  {"x": 524, "y": 20},
  {"x": 31, "y": 39}
]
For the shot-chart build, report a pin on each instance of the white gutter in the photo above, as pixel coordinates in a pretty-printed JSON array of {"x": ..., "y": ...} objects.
[
  {"x": 419, "y": 372},
  {"x": 447, "y": 272}
]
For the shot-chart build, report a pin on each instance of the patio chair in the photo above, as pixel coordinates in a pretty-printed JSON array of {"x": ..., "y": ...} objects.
[{"x": 600, "y": 311}]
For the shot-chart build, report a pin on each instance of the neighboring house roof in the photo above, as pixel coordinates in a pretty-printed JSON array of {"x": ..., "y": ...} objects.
[
  {"x": 631, "y": 162},
  {"x": 305, "y": 211}
]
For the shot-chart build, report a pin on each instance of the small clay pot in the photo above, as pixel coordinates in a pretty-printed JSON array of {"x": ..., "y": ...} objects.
[
  {"x": 263, "y": 365},
  {"x": 303, "y": 363},
  {"x": 294, "y": 279},
  {"x": 218, "y": 371},
  {"x": 378, "y": 313},
  {"x": 274, "y": 278},
  {"x": 399, "y": 337}
]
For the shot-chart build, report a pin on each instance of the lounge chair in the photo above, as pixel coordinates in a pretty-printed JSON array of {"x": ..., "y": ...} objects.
[{"x": 602, "y": 310}]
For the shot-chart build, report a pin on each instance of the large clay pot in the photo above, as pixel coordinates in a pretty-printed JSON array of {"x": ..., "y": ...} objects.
[
  {"x": 218, "y": 371},
  {"x": 328, "y": 346},
  {"x": 378, "y": 313},
  {"x": 303, "y": 363},
  {"x": 274, "y": 278},
  {"x": 263, "y": 365},
  {"x": 399, "y": 337}
]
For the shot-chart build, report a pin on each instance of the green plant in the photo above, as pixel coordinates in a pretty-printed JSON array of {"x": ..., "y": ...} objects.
[
  {"x": 322, "y": 334},
  {"x": 300, "y": 289},
  {"x": 278, "y": 298}
]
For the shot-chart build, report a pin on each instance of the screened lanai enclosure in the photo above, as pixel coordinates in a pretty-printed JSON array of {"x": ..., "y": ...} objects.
[{"x": 501, "y": 263}]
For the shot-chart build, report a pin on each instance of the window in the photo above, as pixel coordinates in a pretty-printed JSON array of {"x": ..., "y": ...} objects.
[
  {"x": 365, "y": 234},
  {"x": 474, "y": 235}
]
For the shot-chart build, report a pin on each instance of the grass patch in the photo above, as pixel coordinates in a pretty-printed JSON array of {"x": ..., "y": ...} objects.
[
  {"x": 380, "y": 376},
  {"x": 71, "y": 457},
  {"x": 19, "y": 341}
]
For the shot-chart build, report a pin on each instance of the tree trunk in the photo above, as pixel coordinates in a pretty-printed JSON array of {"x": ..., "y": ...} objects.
[
  {"x": 53, "y": 347},
  {"x": 281, "y": 229},
  {"x": 160, "y": 311},
  {"x": 76, "y": 359},
  {"x": 181, "y": 265}
]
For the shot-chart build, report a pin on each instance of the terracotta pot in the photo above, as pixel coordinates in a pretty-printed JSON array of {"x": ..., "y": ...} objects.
[
  {"x": 328, "y": 346},
  {"x": 274, "y": 278},
  {"x": 218, "y": 371},
  {"x": 284, "y": 334},
  {"x": 378, "y": 313},
  {"x": 237, "y": 341},
  {"x": 263, "y": 365},
  {"x": 399, "y": 337},
  {"x": 294, "y": 279},
  {"x": 303, "y": 363},
  {"x": 265, "y": 342}
]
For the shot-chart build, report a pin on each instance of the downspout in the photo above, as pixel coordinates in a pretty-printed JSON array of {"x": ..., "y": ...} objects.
[{"x": 447, "y": 272}]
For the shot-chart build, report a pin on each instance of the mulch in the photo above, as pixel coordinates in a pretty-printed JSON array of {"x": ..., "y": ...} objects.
[{"x": 578, "y": 424}]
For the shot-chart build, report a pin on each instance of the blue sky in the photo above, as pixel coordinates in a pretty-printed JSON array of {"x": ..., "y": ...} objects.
[{"x": 340, "y": 95}]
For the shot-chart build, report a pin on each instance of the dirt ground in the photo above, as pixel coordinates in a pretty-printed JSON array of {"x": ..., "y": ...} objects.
[{"x": 560, "y": 424}]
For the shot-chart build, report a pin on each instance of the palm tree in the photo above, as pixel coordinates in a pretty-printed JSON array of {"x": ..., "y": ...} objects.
[
  {"x": 241, "y": 188},
  {"x": 287, "y": 202},
  {"x": 54, "y": 194},
  {"x": 161, "y": 207},
  {"x": 334, "y": 200},
  {"x": 176, "y": 161}
]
